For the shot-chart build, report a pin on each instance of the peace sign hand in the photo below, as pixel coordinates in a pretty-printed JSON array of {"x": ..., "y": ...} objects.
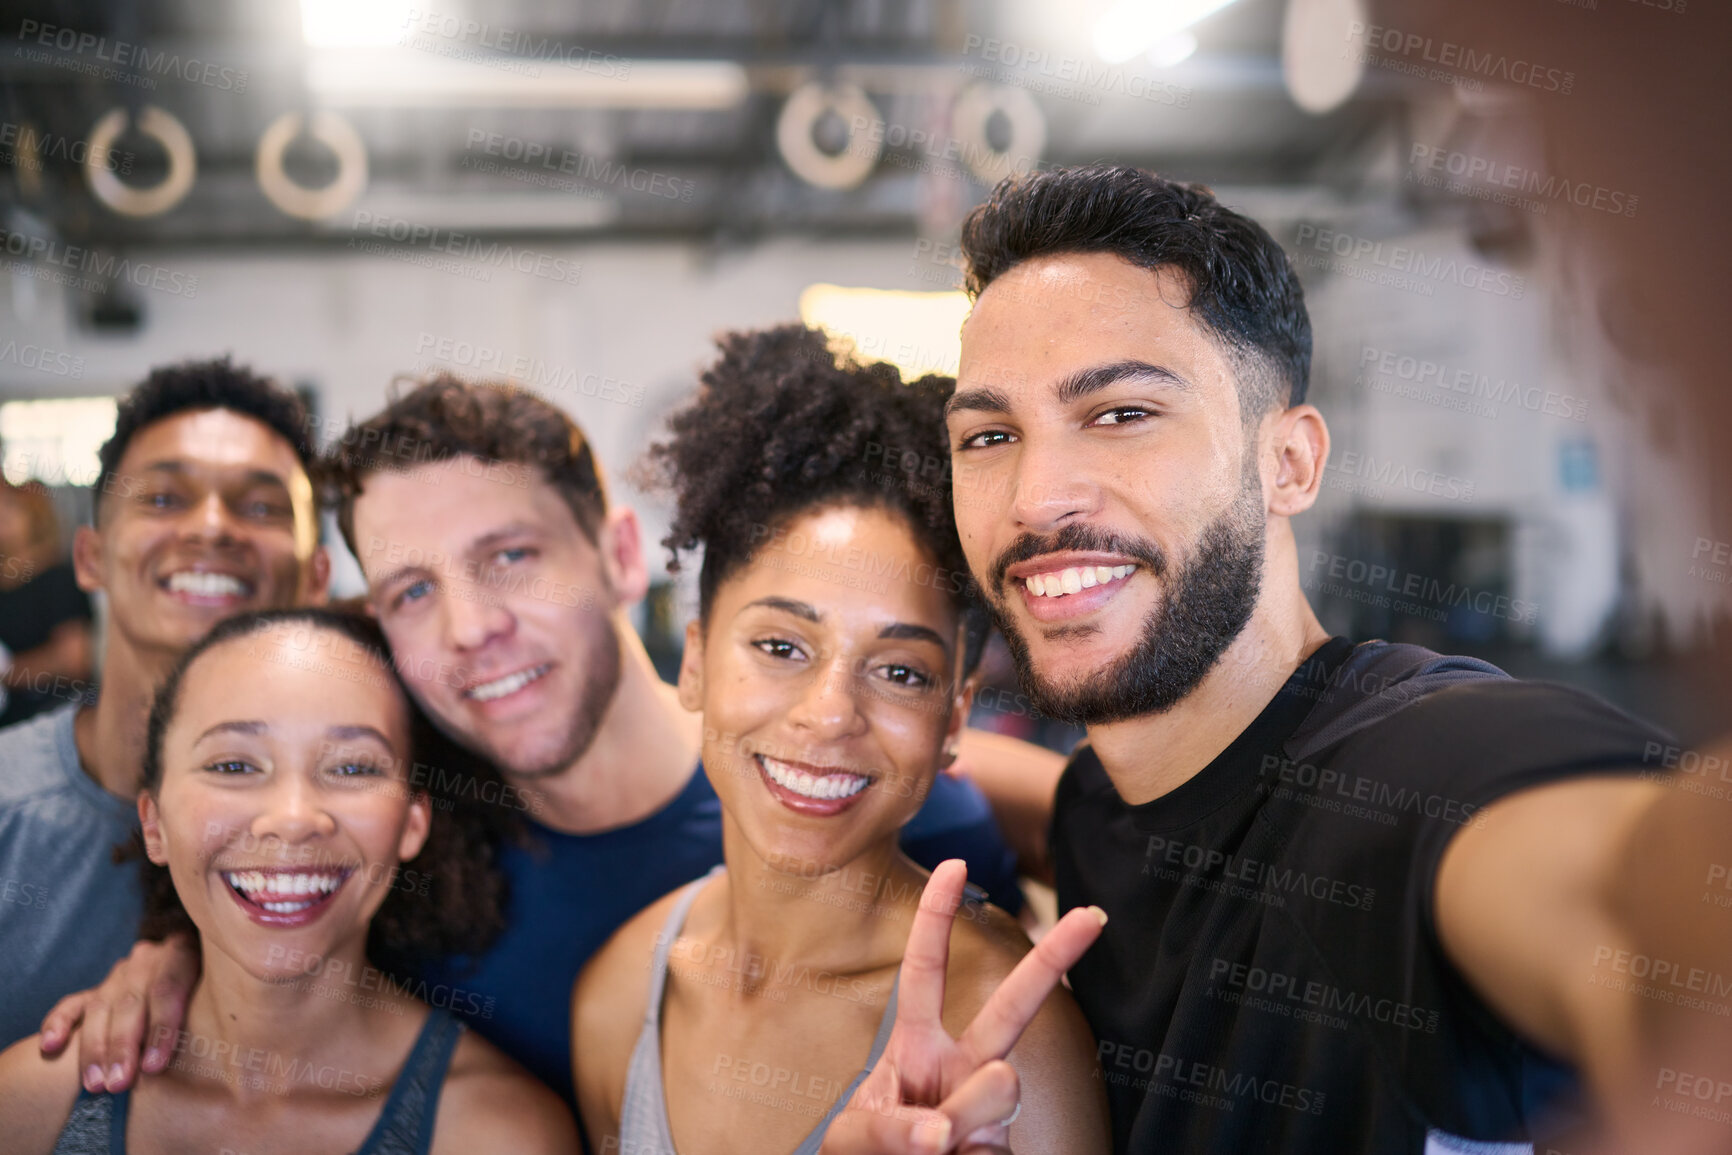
[{"x": 930, "y": 1093}]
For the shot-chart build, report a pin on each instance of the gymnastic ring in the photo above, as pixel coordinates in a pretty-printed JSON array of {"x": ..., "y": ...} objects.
[
  {"x": 294, "y": 199},
  {"x": 969, "y": 117},
  {"x": 129, "y": 200},
  {"x": 806, "y": 106}
]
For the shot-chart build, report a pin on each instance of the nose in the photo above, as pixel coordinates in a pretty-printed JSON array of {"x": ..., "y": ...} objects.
[
  {"x": 212, "y": 520},
  {"x": 1050, "y": 487},
  {"x": 474, "y": 616},
  {"x": 293, "y": 813},
  {"x": 826, "y": 709}
]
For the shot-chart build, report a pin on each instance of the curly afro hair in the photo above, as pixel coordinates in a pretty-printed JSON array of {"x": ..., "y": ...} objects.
[{"x": 783, "y": 425}]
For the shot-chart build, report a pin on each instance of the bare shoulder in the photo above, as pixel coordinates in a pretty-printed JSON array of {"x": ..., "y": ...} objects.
[
  {"x": 607, "y": 1002},
  {"x": 985, "y": 946},
  {"x": 607, "y": 1008},
  {"x": 489, "y": 1103},
  {"x": 36, "y": 1094},
  {"x": 1063, "y": 1096}
]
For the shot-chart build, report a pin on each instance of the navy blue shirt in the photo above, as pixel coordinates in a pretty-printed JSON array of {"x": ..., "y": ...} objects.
[{"x": 570, "y": 892}]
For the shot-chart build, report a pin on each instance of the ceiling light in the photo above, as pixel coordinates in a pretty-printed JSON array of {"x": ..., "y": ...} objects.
[{"x": 1132, "y": 27}]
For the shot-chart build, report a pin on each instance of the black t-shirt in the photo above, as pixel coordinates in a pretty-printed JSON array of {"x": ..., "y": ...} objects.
[
  {"x": 1271, "y": 978},
  {"x": 28, "y": 615}
]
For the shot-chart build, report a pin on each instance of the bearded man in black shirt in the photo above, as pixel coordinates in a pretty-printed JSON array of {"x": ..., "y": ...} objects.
[{"x": 1361, "y": 898}]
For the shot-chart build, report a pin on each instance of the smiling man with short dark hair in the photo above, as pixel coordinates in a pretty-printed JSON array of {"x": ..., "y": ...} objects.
[{"x": 204, "y": 508}]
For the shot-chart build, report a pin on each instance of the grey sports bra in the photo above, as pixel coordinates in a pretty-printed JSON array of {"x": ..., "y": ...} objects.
[
  {"x": 643, "y": 1116},
  {"x": 97, "y": 1125}
]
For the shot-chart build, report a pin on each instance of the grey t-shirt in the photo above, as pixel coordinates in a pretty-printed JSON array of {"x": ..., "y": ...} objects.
[{"x": 68, "y": 911}]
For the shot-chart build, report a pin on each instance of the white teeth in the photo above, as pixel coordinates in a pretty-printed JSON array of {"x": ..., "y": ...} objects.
[
  {"x": 510, "y": 684},
  {"x": 834, "y": 785},
  {"x": 206, "y": 585},
  {"x": 257, "y": 885},
  {"x": 1074, "y": 580}
]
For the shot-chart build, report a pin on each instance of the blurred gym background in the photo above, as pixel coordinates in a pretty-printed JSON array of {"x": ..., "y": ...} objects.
[{"x": 579, "y": 196}]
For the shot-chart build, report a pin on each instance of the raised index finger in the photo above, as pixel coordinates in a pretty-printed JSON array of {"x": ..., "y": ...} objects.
[
  {"x": 1014, "y": 1004},
  {"x": 920, "y": 991}
]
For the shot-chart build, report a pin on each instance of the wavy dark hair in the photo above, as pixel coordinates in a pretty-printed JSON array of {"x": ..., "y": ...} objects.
[
  {"x": 441, "y": 416},
  {"x": 1243, "y": 288},
  {"x": 460, "y": 910},
  {"x": 784, "y": 424}
]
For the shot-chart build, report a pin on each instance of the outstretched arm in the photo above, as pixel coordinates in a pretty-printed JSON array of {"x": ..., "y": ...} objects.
[{"x": 1585, "y": 914}]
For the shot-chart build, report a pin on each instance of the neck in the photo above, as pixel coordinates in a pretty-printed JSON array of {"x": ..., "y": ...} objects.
[
  {"x": 848, "y": 920},
  {"x": 644, "y": 753},
  {"x": 274, "y": 1027},
  {"x": 110, "y": 735},
  {"x": 1154, "y": 754}
]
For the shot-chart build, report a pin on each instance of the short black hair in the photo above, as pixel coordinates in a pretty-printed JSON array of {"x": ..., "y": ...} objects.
[
  {"x": 189, "y": 386},
  {"x": 457, "y": 905},
  {"x": 783, "y": 425},
  {"x": 1243, "y": 287}
]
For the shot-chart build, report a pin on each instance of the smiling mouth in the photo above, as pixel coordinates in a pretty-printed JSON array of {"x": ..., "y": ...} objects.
[
  {"x": 204, "y": 585},
  {"x": 829, "y": 786},
  {"x": 286, "y": 892},
  {"x": 1074, "y": 579},
  {"x": 509, "y": 684}
]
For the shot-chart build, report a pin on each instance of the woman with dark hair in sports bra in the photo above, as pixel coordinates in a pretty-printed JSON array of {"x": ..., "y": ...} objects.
[
  {"x": 284, "y": 793},
  {"x": 830, "y": 659}
]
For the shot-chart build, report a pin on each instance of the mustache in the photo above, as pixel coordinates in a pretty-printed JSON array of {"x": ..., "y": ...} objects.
[{"x": 1083, "y": 539}]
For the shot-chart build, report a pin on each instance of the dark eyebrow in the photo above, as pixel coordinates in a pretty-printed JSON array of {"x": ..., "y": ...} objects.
[
  {"x": 908, "y": 631},
  {"x": 248, "y": 727},
  {"x": 352, "y": 732},
  {"x": 1086, "y": 381},
  {"x": 982, "y": 400},
  {"x": 252, "y": 476},
  {"x": 789, "y": 605}
]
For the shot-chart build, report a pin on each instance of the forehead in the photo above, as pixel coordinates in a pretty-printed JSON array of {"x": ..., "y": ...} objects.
[
  {"x": 459, "y": 498},
  {"x": 213, "y": 440},
  {"x": 864, "y": 562},
  {"x": 1052, "y": 315},
  {"x": 290, "y": 672}
]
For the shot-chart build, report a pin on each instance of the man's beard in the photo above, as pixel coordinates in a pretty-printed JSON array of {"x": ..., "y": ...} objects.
[
  {"x": 1204, "y": 606},
  {"x": 599, "y": 686}
]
